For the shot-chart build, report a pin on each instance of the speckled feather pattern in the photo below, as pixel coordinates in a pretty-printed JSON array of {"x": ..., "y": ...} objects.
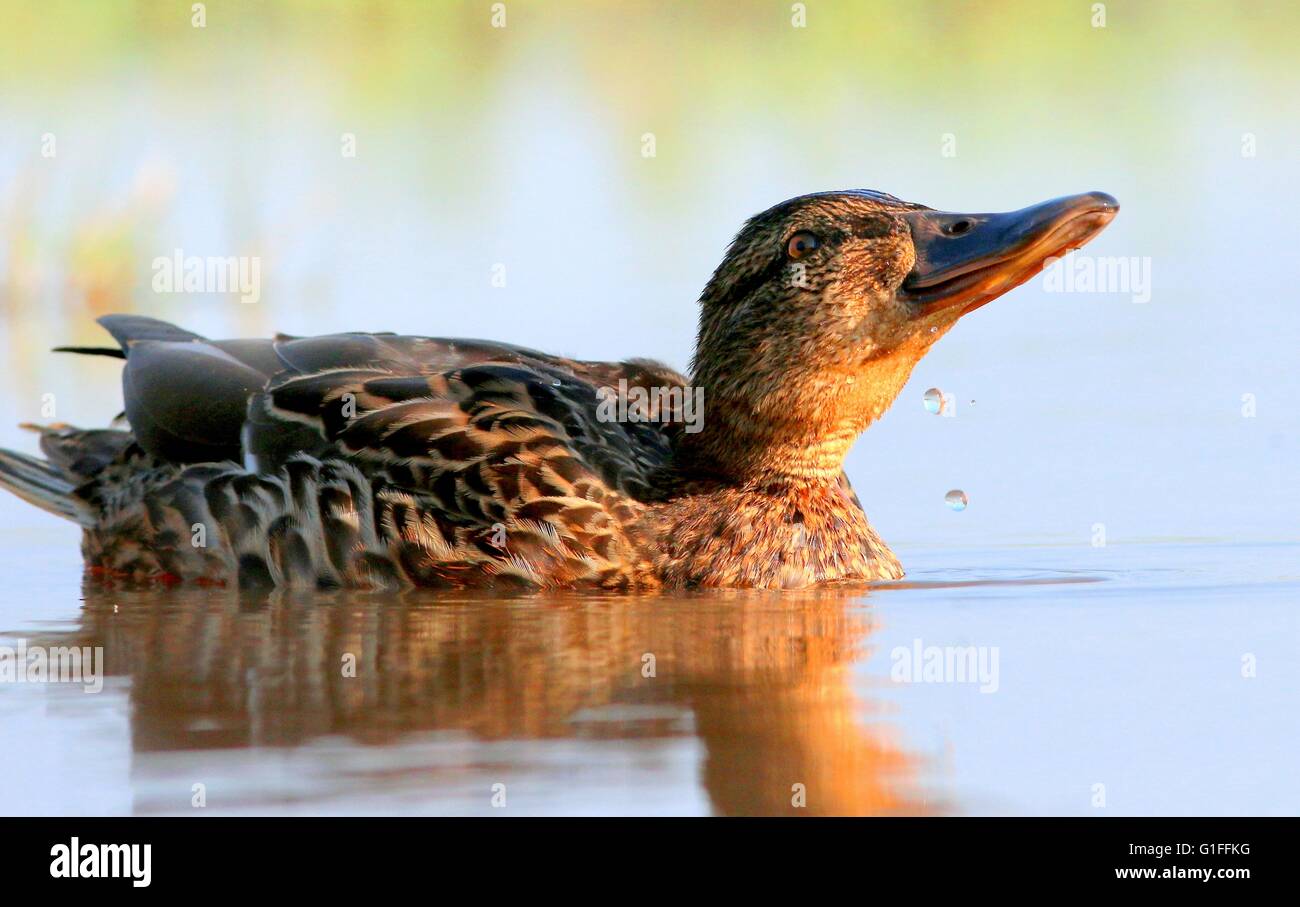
[{"x": 494, "y": 474}]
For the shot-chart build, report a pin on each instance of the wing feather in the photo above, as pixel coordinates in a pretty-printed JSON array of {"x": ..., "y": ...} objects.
[{"x": 382, "y": 457}]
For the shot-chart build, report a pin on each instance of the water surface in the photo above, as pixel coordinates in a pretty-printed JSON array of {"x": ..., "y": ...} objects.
[{"x": 1109, "y": 671}]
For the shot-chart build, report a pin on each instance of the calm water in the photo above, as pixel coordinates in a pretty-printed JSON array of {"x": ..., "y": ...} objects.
[{"x": 1119, "y": 666}]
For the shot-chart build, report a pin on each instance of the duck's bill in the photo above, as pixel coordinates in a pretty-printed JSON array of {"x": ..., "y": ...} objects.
[{"x": 966, "y": 260}]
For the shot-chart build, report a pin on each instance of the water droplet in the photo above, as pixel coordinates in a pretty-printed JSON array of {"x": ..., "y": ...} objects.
[
  {"x": 956, "y": 499},
  {"x": 933, "y": 400}
]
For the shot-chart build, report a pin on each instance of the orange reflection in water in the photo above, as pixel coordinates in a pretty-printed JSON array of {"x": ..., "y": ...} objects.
[{"x": 763, "y": 681}]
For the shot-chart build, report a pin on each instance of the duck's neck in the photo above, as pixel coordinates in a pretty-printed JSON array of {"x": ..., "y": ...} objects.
[
  {"x": 758, "y": 496},
  {"x": 796, "y": 429},
  {"x": 745, "y": 449}
]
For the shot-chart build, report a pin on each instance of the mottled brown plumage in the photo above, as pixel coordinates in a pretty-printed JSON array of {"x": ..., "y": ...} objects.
[{"x": 377, "y": 460}]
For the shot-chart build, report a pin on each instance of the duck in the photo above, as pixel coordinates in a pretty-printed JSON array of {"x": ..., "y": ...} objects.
[{"x": 387, "y": 461}]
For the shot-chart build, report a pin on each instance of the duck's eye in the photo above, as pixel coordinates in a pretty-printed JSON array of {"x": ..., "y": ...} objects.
[
  {"x": 958, "y": 227},
  {"x": 801, "y": 244}
]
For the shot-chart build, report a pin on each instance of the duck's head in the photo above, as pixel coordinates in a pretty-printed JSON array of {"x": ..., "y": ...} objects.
[{"x": 824, "y": 303}]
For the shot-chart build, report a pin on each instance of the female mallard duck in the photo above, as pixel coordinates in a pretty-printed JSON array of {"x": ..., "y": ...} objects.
[{"x": 377, "y": 460}]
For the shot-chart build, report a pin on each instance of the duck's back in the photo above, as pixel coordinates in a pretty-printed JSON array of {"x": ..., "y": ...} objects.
[{"x": 366, "y": 459}]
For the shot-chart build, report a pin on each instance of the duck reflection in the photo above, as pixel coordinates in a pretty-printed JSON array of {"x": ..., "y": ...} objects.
[{"x": 761, "y": 681}]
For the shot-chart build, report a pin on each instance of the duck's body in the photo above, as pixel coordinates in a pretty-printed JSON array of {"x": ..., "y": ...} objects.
[
  {"x": 387, "y": 460},
  {"x": 381, "y": 460}
]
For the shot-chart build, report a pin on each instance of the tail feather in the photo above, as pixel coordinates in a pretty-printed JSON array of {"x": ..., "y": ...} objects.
[
  {"x": 79, "y": 454},
  {"x": 38, "y": 482},
  {"x": 110, "y": 351}
]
